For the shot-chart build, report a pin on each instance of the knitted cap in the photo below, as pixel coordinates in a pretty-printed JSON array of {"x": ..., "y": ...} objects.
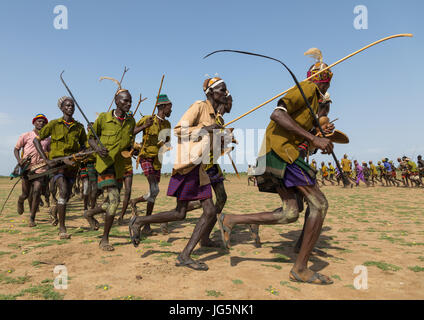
[{"x": 163, "y": 99}]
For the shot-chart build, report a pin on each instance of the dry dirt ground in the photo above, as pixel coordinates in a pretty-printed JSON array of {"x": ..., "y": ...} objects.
[{"x": 380, "y": 228}]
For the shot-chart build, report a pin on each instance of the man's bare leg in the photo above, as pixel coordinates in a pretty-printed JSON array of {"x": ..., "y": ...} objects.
[
  {"x": 114, "y": 198},
  {"x": 36, "y": 196},
  {"x": 221, "y": 199},
  {"x": 64, "y": 189},
  {"x": 318, "y": 208},
  {"x": 201, "y": 228},
  {"x": 26, "y": 186},
  {"x": 136, "y": 222},
  {"x": 127, "y": 195}
]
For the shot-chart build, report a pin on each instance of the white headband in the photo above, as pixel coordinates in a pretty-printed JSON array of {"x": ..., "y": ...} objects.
[{"x": 214, "y": 85}]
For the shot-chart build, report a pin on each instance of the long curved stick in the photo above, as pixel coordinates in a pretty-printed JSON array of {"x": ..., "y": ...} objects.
[
  {"x": 330, "y": 66},
  {"x": 82, "y": 112},
  {"x": 153, "y": 113},
  {"x": 11, "y": 190},
  {"x": 314, "y": 116}
]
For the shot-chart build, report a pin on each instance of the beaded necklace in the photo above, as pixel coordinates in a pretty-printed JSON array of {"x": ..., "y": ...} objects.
[
  {"x": 68, "y": 124},
  {"x": 122, "y": 119}
]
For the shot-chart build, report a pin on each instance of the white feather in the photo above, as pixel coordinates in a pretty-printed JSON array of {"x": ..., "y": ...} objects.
[{"x": 314, "y": 53}]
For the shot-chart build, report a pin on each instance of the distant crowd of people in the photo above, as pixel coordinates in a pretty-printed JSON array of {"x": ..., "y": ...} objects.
[{"x": 407, "y": 173}]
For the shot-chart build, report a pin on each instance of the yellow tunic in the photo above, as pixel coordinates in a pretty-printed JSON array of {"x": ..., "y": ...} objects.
[
  {"x": 158, "y": 131},
  {"x": 282, "y": 142},
  {"x": 346, "y": 165},
  {"x": 116, "y": 137}
]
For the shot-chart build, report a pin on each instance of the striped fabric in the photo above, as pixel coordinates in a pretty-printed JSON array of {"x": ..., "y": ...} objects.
[
  {"x": 108, "y": 179},
  {"x": 148, "y": 170}
]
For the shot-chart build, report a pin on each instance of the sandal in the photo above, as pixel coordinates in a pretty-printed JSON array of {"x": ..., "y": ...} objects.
[
  {"x": 135, "y": 236},
  {"x": 312, "y": 280},
  {"x": 224, "y": 231},
  {"x": 64, "y": 236},
  {"x": 192, "y": 264},
  {"x": 106, "y": 247}
]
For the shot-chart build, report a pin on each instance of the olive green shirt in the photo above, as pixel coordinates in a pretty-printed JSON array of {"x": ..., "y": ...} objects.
[
  {"x": 283, "y": 142},
  {"x": 159, "y": 131},
  {"x": 64, "y": 140},
  {"x": 116, "y": 137}
]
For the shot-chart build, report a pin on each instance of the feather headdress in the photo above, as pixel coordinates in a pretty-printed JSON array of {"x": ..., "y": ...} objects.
[
  {"x": 314, "y": 53},
  {"x": 318, "y": 66},
  {"x": 117, "y": 83}
]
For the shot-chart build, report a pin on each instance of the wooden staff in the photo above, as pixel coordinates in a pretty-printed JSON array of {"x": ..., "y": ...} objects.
[
  {"x": 153, "y": 113},
  {"x": 122, "y": 78},
  {"x": 234, "y": 165},
  {"x": 330, "y": 66},
  {"x": 138, "y": 104},
  {"x": 157, "y": 98}
]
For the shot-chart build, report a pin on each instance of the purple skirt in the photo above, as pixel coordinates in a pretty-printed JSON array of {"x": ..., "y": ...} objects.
[
  {"x": 187, "y": 187},
  {"x": 295, "y": 176},
  {"x": 215, "y": 174}
]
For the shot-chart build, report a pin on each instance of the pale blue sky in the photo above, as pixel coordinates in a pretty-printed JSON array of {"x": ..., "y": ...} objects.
[{"x": 377, "y": 94}]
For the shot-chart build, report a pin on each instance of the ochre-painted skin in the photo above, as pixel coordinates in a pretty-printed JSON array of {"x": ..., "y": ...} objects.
[
  {"x": 318, "y": 207},
  {"x": 317, "y": 203}
]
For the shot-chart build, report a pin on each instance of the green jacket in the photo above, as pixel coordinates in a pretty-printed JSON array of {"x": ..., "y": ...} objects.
[
  {"x": 64, "y": 140},
  {"x": 116, "y": 137}
]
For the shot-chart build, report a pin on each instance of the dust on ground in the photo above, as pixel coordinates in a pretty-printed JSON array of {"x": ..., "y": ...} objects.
[{"x": 377, "y": 227}]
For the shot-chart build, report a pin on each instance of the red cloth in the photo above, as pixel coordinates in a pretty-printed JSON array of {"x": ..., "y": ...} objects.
[{"x": 147, "y": 167}]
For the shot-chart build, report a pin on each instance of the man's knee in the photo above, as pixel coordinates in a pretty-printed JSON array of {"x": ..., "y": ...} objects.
[
  {"x": 154, "y": 192},
  {"x": 180, "y": 214},
  {"x": 221, "y": 199},
  {"x": 288, "y": 215},
  {"x": 85, "y": 187},
  {"x": 321, "y": 205},
  {"x": 292, "y": 214}
]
